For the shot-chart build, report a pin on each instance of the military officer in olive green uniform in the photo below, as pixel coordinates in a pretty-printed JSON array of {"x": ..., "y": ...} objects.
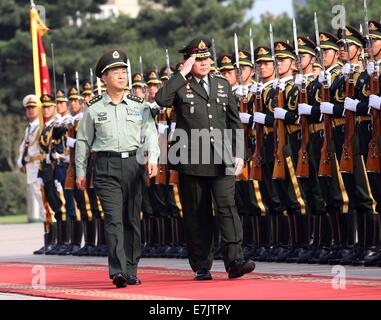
[
  {"x": 119, "y": 128},
  {"x": 205, "y": 102}
]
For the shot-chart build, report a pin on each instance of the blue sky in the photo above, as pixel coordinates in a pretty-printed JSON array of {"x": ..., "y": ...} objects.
[{"x": 274, "y": 6}]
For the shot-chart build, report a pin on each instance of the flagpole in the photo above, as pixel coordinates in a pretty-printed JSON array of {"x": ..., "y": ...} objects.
[{"x": 36, "y": 63}]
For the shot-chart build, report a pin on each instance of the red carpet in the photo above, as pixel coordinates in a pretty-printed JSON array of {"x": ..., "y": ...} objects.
[{"x": 90, "y": 282}]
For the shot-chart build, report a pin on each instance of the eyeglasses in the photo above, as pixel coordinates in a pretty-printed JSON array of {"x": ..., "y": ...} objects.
[{"x": 117, "y": 73}]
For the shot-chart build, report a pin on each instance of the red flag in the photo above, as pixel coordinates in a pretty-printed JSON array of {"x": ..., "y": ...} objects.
[{"x": 44, "y": 69}]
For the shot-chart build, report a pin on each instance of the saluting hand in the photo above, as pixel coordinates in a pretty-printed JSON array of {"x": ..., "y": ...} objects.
[
  {"x": 81, "y": 183},
  {"x": 187, "y": 67}
]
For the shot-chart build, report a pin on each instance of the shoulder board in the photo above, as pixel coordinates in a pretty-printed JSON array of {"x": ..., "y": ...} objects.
[
  {"x": 94, "y": 100},
  {"x": 219, "y": 76},
  {"x": 336, "y": 70},
  {"x": 135, "y": 98}
]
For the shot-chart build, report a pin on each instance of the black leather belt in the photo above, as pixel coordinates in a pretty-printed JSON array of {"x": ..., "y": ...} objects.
[{"x": 123, "y": 155}]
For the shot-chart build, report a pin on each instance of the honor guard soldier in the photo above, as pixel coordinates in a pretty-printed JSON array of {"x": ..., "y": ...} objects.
[
  {"x": 139, "y": 86},
  {"x": 86, "y": 92},
  {"x": 29, "y": 160},
  {"x": 203, "y": 101},
  {"x": 49, "y": 139},
  {"x": 63, "y": 118},
  {"x": 285, "y": 125},
  {"x": 373, "y": 256},
  {"x": 119, "y": 129},
  {"x": 248, "y": 196},
  {"x": 307, "y": 169},
  {"x": 270, "y": 224},
  {"x": 352, "y": 165},
  {"x": 227, "y": 69}
]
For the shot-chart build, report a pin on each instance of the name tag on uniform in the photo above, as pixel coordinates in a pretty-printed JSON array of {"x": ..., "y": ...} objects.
[
  {"x": 102, "y": 116},
  {"x": 133, "y": 112}
]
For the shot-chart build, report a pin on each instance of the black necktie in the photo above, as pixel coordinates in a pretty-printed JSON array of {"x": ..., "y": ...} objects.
[{"x": 202, "y": 82}]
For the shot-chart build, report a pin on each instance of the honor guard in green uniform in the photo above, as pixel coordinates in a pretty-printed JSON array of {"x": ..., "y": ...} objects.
[
  {"x": 86, "y": 92},
  {"x": 205, "y": 102},
  {"x": 120, "y": 130},
  {"x": 369, "y": 135},
  {"x": 49, "y": 139},
  {"x": 306, "y": 170},
  {"x": 248, "y": 196},
  {"x": 352, "y": 165},
  {"x": 268, "y": 227}
]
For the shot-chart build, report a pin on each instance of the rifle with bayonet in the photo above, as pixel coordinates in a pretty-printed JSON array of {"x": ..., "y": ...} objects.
[
  {"x": 162, "y": 172},
  {"x": 70, "y": 172},
  {"x": 256, "y": 160},
  {"x": 325, "y": 165},
  {"x": 279, "y": 172},
  {"x": 215, "y": 57},
  {"x": 302, "y": 169},
  {"x": 243, "y": 108},
  {"x": 373, "y": 161},
  {"x": 346, "y": 162}
]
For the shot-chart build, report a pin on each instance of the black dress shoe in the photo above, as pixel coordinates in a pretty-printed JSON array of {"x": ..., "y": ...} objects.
[
  {"x": 203, "y": 274},
  {"x": 120, "y": 280},
  {"x": 240, "y": 267},
  {"x": 133, "y": 280}
]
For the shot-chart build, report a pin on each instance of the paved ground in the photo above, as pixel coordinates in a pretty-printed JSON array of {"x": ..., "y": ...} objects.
[{"x": 17, "y": 242}]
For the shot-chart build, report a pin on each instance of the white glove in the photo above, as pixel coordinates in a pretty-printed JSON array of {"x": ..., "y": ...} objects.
[
  {"x": 70, "y": 142},
  {"x": 280, "y": 84},
  {"x": 346, "y": 70},
  {"x": 372, "y": 67},
  {"x": 256, "y": 87},
  {"x": 350, "y": 104},
  {"x": 241, "y": 91},
  {"x": 68, "y": 120},
  {"x": 40, "y": 182},
  {"x": 245, "y": 117},
  {"x": 161, "y": 128},
  {"x": 327, "y": 78},
  {"x": 66, "y": 159},
  {"x": 279, "y": 113},
  {"x": 58, "y": 186},
  {"x": 299, "y": 80},
  {"x": 259, "y": 117},
  {"x": 19, "y": 162},
  {"x": 375, "y": 102},
  {"x": 57, "y": 120},
  {"x": 304, "y": 109},
  {"x": 326, "y": 107},
  {"x": 55, "y": 155}
]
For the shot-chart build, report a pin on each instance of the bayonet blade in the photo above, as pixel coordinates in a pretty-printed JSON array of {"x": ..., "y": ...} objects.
[
  {"x": 236, "y": 50},
  {"x": 129, "y": 72},
  {"x": 252, "y": 47},
  {"x": 296, "y": 46}
]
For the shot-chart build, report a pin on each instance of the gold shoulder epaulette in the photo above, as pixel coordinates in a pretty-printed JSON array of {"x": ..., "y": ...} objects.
[
  {"x": 94, "y": 100},
  {"x": 135, "y": 98}
]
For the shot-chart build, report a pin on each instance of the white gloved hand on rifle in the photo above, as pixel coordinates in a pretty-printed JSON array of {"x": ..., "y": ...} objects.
[
  {"x": 374, "y": 102},
  {"x": 351, "y": 104},
  {"x": 259, "y": 117},
  {"x": 325, "y": 78},
  {"x": 373, "y": 67},
  {"x": 256, "y": 87},
  {"x": 304, "y": 109},
  {"x": 326, "y": 107},
  {"x": 241, "y": 91},
  {"x": 279, "y": 113}
]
